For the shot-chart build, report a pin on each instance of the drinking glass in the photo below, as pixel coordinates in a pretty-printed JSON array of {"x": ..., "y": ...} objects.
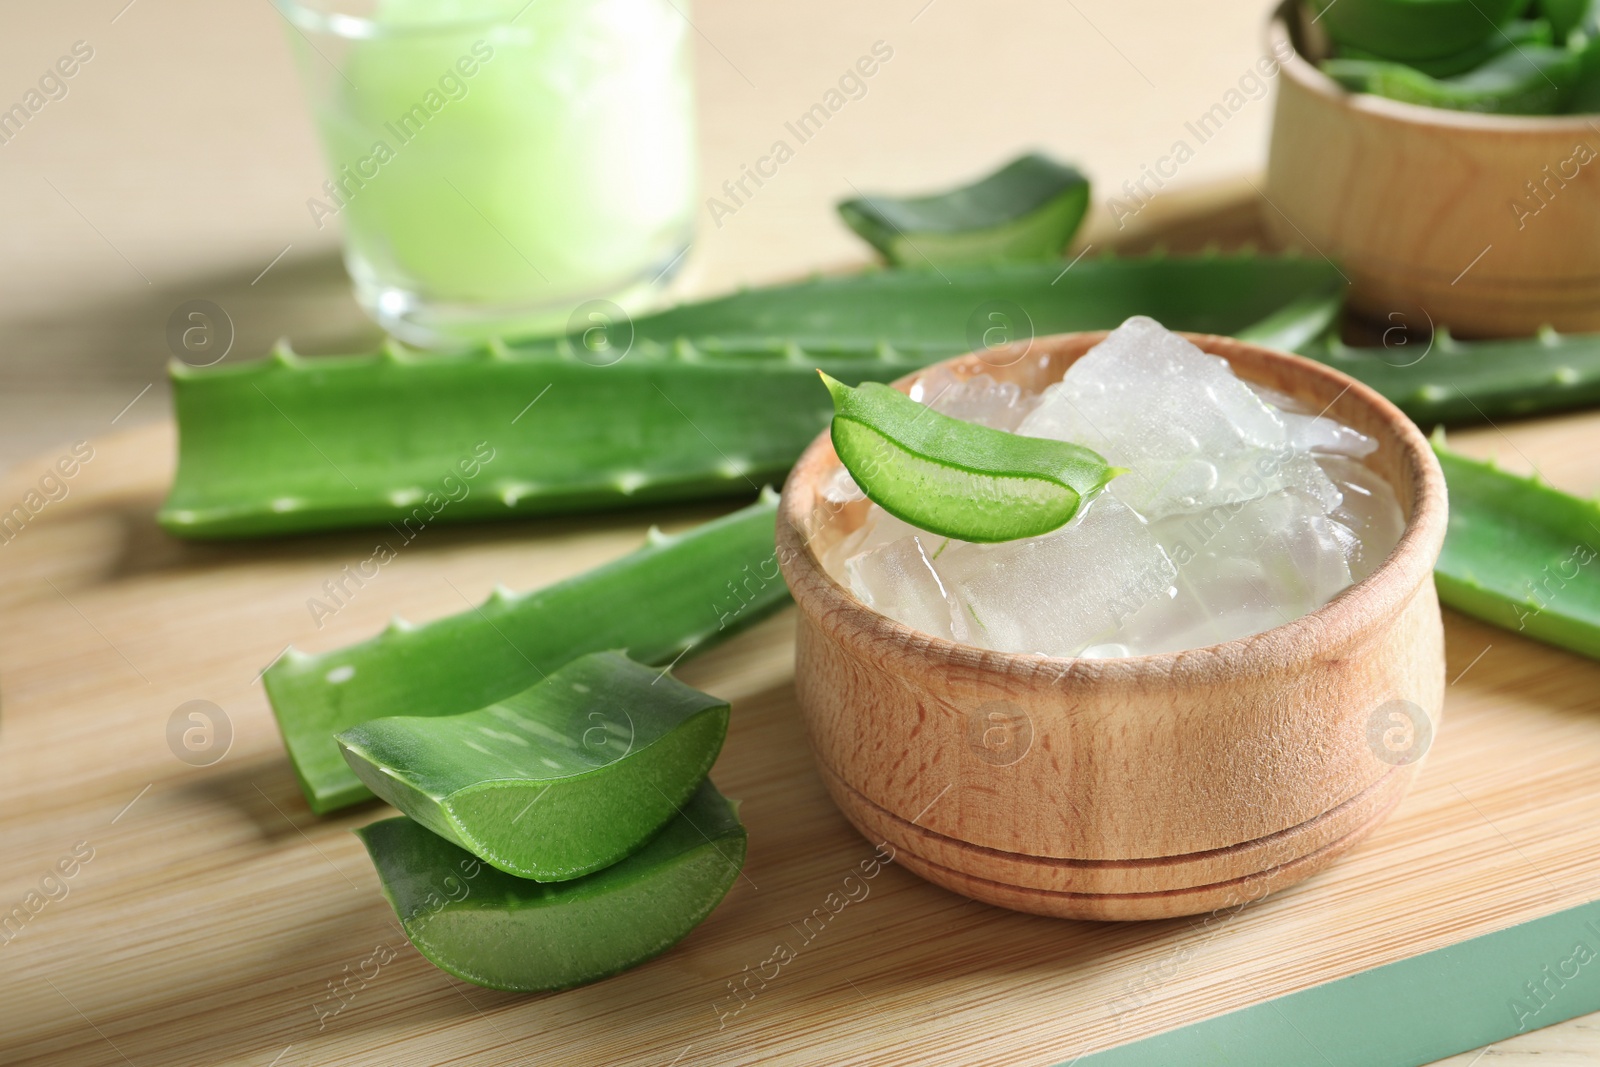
[{"x": 497, "y": 163}]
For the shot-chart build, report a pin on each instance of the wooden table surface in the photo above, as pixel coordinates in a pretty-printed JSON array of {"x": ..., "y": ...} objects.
[{"x": 177, "y": 168}]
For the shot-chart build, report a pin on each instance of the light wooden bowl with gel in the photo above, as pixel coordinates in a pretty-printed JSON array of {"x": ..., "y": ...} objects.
[{"x": 1136, "y": 788}]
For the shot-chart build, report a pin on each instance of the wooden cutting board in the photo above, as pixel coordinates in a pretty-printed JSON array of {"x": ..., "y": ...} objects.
[{"x": 209, "y": 918}]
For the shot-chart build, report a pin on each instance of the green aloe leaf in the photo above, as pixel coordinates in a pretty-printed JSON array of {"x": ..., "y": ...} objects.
[
  {"x": 496, "y": 930},
  {"x": 1409, "y": 30},
  {"x": 1436, "y": 379},
  {"x": 956, "y": 478},
  {"x": 1516, "y": 33},
  {"x": 1028, "y": 209},
  {"x": 1520, "y": 554},
  {"x": 1530, "y": 80},
  {"x": 556, "y": 781},
  {"x": 675, "y": 595},
  {"x": 700, "y": 401}
]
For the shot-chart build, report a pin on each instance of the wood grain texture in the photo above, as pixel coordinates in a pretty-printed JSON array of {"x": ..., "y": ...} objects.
[
  {"x": 1420, "y": 206},
  {"x": 216, "y": 910},
  {"x": 1137, "y": 788}
]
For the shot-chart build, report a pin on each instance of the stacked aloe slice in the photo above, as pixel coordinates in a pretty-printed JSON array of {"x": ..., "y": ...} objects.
[
  {"x": 585, "y": 798},
  {"x": 558, "y": 824}
]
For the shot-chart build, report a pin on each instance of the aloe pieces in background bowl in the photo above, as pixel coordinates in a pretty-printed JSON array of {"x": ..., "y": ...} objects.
[
  {"x": 510, "y": 933},
  {"x": 554, "y": 782},
  {"x": 1028, "y": 209},
  {"x": 675, "y": 595},
  {"x": 1466, "y": 55}
]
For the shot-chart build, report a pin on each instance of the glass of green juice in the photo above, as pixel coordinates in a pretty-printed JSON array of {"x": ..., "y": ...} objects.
[{"x": 499, "y": 164}]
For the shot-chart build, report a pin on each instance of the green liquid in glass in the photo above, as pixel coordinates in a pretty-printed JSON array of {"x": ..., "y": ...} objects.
[{"x": 497, "y": 169}]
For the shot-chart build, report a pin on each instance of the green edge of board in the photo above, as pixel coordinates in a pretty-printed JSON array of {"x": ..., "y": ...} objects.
[{"x": 1403, "y": 1014}]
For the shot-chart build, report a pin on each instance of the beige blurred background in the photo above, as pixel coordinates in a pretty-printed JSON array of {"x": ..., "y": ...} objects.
[{"x": 178, "y": 165}]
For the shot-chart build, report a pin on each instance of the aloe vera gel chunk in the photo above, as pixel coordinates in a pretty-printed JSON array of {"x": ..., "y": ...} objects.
[
  {"x": 509, "y": 933},
  {"x": 558, "y": 780},
  {"x": 1241, "y": 510}
]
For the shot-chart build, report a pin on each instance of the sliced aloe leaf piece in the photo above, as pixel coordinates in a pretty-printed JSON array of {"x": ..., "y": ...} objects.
[
  {"x": 1028, "y": 209},
  {"x": 554, "y": 782},
  {"x": 1527, "y": 80},
  {"x": 703, "y": 401},
  {"x": 510, "y": 933},
  {"x": 1516, "y": 33},
  {"x": 1411, "y": 30},
  {"x": 956, "y": 478},
  {"x": 675, "y": 595},
  {"x": 1520, "y": 554}
]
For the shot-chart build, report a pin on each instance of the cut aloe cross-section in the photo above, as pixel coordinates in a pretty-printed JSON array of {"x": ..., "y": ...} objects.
[
  {"x": 954, "y": 478},
  {"x": 497, "y": 930},
  {"x": 1028, "y": 209},
  {"x": 558, "y": 780}
]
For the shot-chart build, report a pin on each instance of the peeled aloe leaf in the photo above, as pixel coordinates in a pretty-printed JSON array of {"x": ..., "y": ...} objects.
[
  {"x": 676, "y": 594},
  {"x": 1526, "y": 80},
  {"x": 509, "y": 933},
  {"x": 290, "y": 444},
  {"x": 1520, "y": 554},
  {"x": 556, "y": 781},
  {"x": 1028, "y": 209}
]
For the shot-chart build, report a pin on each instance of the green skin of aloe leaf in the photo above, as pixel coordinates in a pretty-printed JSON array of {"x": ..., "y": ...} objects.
[
  {"x": 1520, "y": 554},
  {"x": 286, "y": 445},
  {"x": 1028, "y": 209},
  {"x": 955, "y": 478},
  {"x": 675, "y": 595},
  {"x": 1527, "y": 80},
  {"x": 1413, "y": 29},
  {"x": 495, "y": 930},
  {"x": 555, "y": 782},
  {"x": 1445, "y": 381},
  {"x": 1517, "y": 33}
]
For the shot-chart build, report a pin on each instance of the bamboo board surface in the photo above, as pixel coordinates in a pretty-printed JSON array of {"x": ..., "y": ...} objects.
[{"x": 217, "y": 915}]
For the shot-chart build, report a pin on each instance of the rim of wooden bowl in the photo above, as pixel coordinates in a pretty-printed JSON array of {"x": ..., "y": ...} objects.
[
  {"x": 1309, "y": 77},
  {"x": 1343, "y": 620}
]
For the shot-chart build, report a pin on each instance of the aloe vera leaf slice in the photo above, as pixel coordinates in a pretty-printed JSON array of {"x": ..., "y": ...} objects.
[
  {"x": 1520, "y": 554},
  {"x": 496, "y": 930},
  {"x": 1028, "y": 209},
  {"x": 1515, "y": 33},
  {"x": 954, "y": 478},
  {"x": 1527, "y": 80},
  {"x": 554, "y": 782},
  {"x": 710, "y": 398},
  {"x": 675, "y": 595},
  {"x": 1408, "y": 30}
]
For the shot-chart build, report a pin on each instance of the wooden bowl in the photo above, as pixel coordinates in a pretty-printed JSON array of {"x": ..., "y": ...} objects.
[
  {"x": 1134, "y": 788},
  {"x": 1485, "y": 223}
]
